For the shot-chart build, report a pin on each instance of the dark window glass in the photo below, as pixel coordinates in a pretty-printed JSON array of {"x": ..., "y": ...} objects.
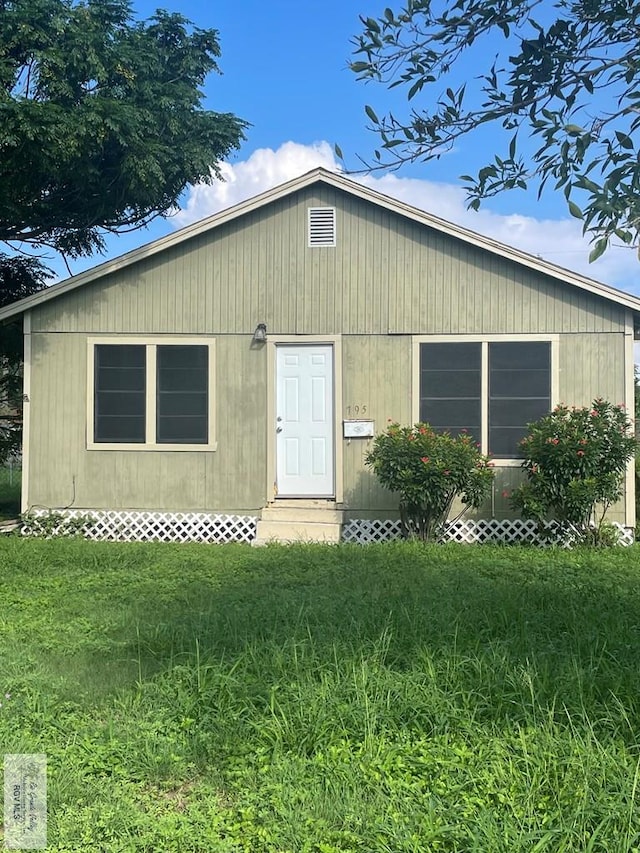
[
  {"x": 450, "y": 378},
  {"x": 438, "y": 384},
  {"x": 119, "y": 393},
  {"x": 182, "y": 409},
  {"x": 455, "y": 414},
  {"x": 519, "y": 392},
  {"x": 509, "y": 383},
  {"x": 531, "y": 355}
]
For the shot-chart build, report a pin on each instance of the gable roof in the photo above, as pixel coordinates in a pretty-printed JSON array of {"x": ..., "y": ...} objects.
[{"x": 321, "y": 175}]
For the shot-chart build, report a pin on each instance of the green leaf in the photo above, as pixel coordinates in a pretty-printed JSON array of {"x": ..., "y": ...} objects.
[
  {"x": 574, "y": 210},
  {"x": 414, "y": 89},
  {"x": 624, "y": 140},
  {"x": 371, "y": 113},
  {"x": 599, "y": 249}
]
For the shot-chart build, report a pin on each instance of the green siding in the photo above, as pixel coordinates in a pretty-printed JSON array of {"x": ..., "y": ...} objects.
[
  {"x": 386, "y": 393},
  {"x": 387, "y": 278},
  {"x": 591, "y": 366},
  {"x": 63, "y": 472},
  {"x": 387, "y": 274}
]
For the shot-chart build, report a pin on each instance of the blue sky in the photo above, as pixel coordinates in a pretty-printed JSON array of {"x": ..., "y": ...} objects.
[{"x": 284, "y": 67}]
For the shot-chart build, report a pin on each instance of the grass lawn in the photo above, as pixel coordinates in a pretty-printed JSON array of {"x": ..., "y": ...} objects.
[{"x": 322, "y": 699}]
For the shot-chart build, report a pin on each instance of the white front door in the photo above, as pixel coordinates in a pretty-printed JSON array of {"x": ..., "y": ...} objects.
[{"x": 304, "y": 421}]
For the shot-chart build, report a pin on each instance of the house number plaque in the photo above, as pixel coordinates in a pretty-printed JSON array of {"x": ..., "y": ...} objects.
[{"x": 358, "y": 429}]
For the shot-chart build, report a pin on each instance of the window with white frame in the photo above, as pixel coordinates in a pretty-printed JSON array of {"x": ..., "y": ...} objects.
[
  {"x": 491, "y": 389},
  {"x": 151, "y": 394}
]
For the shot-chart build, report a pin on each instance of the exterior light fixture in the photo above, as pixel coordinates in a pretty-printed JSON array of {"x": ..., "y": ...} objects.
[{"x": 260, "y": 334}]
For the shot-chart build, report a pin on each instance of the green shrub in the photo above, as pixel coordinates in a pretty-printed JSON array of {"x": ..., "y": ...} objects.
[
  {"x": 429, "y": 470},
  {"x": 575, "y": 461},
  {"x": 55, "y": 524}
]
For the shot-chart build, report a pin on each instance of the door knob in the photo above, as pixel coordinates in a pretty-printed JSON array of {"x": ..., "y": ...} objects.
[{"x": 279, "y": 429}]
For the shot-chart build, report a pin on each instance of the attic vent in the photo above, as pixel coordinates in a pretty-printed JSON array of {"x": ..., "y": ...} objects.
[{"x": 322, "y": 226}]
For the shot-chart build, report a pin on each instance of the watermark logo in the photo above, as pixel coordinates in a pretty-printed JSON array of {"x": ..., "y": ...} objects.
[{"x": 25, "y": 801}]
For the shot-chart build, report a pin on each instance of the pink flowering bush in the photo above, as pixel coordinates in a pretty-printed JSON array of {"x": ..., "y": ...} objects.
[
  {"x": 575, "y": 460},
  {"x": 429, "y": 470}
]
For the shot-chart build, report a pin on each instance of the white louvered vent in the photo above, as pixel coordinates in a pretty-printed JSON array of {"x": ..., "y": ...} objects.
[{"x": 322, "y": 226}]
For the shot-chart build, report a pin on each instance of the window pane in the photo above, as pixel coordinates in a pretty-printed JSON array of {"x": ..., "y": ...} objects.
[
  {"x": 453, "y": 356},
  {"x": 183, "y": 405},
  {"x": 519, "y": 392},
  {"x": 120, "y": 430},
  {"x": 530, "y": 354},
  {"x": 122, "y": 378},
  {"x": 450, "y": 387},
  {"x": 450, "y": 383},
  {"x": 182, "y": 395},
  {"x": 451, "y": 413},
  {"x": 181, "y": 379},
  {"x": 118, "y": 404},
  {"x": 504, "y": 441},
  {"x": 189, "y": 357},
  {"x": 128, "y": 356},
  {"x": 181, "y": 430},
  {"x": 510, "y": 383},
  {"x": 518, "y": 412},
  {"x": 119, "y": 393}
]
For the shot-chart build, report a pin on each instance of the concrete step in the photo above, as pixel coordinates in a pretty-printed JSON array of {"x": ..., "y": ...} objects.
[
  {"x": 302, "y": 514},
  {"x": 309, "y": 503},
  {"x": 296, "y": 531}
]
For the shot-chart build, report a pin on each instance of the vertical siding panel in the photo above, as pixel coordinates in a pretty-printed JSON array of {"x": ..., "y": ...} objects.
[
  {"x": 437, "y": 296},
  {"x": 288, "y": 302},
  {"x": 386, "y": 394},
  {"x": 57, "y": 418},
  {"x": 592, "y": 366}
]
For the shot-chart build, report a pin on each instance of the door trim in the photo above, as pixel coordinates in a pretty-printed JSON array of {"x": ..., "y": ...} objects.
[{"x": 273, "y": 341}]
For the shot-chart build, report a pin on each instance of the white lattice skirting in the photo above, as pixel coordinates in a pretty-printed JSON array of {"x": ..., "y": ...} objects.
[
  {"x": 147, "y": 526},
  {"x": 364, "y": 532}
]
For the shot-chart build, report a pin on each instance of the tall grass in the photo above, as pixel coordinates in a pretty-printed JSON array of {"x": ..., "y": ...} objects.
[{"x": 388, "y": 698}]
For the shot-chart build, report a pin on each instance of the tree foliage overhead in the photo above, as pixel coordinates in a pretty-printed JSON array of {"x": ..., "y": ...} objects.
[
  {"x": 101, "y": 129},
  {"x": 565, "y": 75},
  {"x": 101, "y": 122},
  {"x": 19, "y": 277}
]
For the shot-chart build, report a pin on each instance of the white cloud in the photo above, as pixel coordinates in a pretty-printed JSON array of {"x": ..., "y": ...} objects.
[
  {"x": 557, "y": 240},
  {"x": 263, "y": 170}
]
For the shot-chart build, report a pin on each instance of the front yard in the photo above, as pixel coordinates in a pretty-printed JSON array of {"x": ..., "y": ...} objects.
[{"x": 323, "y": 699}]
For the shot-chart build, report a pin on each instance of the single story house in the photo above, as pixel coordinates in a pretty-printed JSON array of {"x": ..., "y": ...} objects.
[{"x": 224, "y": 382}]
